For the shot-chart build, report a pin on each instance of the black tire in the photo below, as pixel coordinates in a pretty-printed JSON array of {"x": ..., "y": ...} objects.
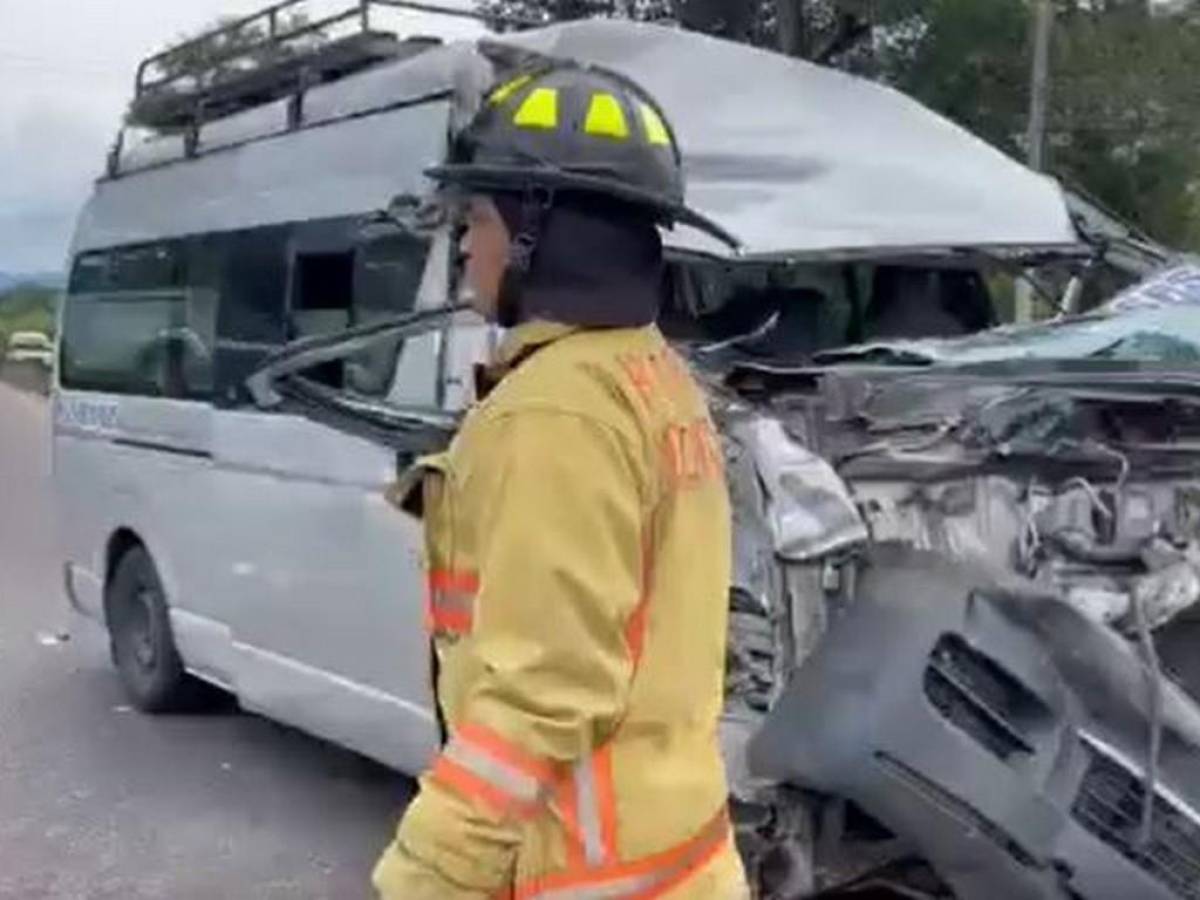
[{"x": 143, "y": 646}]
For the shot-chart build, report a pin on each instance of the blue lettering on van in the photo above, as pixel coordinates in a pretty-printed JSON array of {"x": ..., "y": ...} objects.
[
  {"x": 1176, "y": 287},
  {"x": 90, "y": 414}
]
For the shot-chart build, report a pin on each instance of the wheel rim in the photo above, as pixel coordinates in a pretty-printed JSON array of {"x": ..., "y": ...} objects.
[{"x": 141, "y": 629}]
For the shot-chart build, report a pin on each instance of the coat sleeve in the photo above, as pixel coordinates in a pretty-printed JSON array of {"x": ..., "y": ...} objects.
[{"x": 557, "y": 502}]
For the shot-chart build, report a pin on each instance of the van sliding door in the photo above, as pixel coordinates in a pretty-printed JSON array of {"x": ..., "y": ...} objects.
[{"x": 323, "y": 576}]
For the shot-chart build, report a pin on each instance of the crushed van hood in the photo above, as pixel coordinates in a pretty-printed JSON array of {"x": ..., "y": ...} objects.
[{"x": 795, "y": 159}]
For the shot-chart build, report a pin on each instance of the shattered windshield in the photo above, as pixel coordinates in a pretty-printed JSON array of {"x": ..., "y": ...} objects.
[
  {"x": 1155, "y": 321},
  {"x": 793, "y": 313}
]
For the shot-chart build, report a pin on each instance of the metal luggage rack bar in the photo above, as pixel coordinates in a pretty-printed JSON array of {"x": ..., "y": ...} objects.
[{"x": 229, "y": 73}]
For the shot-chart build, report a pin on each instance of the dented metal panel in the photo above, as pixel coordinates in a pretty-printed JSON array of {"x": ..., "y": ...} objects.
[
  {"x": 795, "y": 159},
  {"x": 353, "y": 168}
]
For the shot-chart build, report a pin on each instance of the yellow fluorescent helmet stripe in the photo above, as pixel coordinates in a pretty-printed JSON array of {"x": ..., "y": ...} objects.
[
  {"x": 509, "y": 88},
  {"x": 656, "y": 129},
  {"x": 540, "y": 110},
  {"x": 605, "y": 118}
]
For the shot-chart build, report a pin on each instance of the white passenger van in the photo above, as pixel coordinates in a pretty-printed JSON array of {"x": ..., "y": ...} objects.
[{"x": 253, "y": 548}]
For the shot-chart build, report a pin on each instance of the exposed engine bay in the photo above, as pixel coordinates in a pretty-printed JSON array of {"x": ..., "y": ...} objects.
[{"x": 962, "y": 616}]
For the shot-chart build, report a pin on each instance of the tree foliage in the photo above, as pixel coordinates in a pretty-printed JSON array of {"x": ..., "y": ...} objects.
[
  {"x": 228, "y": 50},
  {"x": 807, "y": 28},
  {"x": 1122, "y": 106},
  {"x": 26, "y": 307},
  {"x": 966, "y": 60},
  {"x": 1124, "y": 117}
]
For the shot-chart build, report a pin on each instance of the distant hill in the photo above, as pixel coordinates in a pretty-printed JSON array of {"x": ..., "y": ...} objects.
[{"x": 10, "y": 280}]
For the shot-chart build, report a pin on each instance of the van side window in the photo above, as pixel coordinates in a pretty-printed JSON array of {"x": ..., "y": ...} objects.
[
  {"x": 340, "y": 279},
  {"x": 89, "y": 274},
  {"x": 387, "y": 276},
  {"x": 253, "y": 285},
  {"x": 250, "y": 269},
  {"x": 321, "y": 294},
  {"x": 134, "y": 325}
]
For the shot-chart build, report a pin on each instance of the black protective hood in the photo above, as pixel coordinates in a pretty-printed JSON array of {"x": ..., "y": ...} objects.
[{"x": 598, "y": 263}]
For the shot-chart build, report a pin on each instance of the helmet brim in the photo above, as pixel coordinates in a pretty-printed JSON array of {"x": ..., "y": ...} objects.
[{"x": 486, "y": 178}]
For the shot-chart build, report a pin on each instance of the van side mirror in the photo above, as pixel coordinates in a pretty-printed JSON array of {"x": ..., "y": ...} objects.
[{"x": 420, "y": 216}]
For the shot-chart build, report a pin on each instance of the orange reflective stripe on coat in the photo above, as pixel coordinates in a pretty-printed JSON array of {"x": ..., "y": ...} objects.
[
  {"x": 481, "y": 765},
  {"x": 451, "y": 600},
  {"x": 641, "y": 879},
  {"x": 635, "y": 628},
  {"x": 691, "y": 455}
]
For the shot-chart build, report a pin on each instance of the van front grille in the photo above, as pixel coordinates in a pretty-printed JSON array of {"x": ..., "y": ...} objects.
[
  {"x": 976, "y": 696},
  {"x": 1109, "y": 806}
]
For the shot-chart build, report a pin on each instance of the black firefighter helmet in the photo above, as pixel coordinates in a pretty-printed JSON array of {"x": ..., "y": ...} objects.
[{"x": 564, "y": 127}]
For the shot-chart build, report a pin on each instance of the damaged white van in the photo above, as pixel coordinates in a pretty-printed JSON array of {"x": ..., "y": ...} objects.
[{"x": 967, "y": 568}]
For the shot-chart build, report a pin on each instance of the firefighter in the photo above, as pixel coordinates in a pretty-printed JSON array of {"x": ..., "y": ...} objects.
[{"x": 577, "y": 530}]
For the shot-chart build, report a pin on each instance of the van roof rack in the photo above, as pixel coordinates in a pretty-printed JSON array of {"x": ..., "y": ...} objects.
[{"x": 258, "y": 58}]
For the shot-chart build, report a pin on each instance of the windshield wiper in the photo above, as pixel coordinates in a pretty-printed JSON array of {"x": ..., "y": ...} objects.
[
  {"x": 738, "y": 340},
  {"x": 312, "y": 351},
  {"x": 878, "y": 354},
  {"x": 410, "y": 430}
]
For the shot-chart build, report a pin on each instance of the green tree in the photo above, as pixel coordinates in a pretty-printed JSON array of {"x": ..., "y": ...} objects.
[
  {"x": 1122, "y": 116},
  {"x": 809, "y": 28},
  {"x": 26, "y": 307},
  {"x": 967, "y": 60},
  {"x": 228, "y": 48},
  {"x": 221, "y": 50}
]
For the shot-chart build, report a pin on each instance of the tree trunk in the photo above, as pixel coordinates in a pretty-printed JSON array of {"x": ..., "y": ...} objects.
[
  {"x": 731, "y": 19},
  {"x": 790, "y": 22},
  {"x": 572, "y": 9}
]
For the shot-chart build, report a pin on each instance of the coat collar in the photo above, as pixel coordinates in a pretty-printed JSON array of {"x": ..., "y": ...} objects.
[
  {"x": 518, "y": 345},
  {"x": 527, "y": 337}
]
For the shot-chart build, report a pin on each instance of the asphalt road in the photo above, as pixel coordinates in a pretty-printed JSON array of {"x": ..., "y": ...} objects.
[{"x": 98, "y": 802}]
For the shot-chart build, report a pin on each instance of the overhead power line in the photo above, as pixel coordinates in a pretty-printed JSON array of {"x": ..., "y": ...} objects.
[{"x": 66, "y": 66}]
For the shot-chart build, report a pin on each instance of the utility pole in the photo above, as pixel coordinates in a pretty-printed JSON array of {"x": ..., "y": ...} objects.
[{"x": 1039, "y": 93}]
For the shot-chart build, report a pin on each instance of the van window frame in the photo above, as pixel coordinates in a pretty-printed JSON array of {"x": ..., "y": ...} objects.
[{"x": 112, "y": 285}]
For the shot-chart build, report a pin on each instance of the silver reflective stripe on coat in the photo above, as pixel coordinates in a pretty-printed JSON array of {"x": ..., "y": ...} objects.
[
  {"x": 590, "y": 830},
  {"x": 452, "y": 606},
  {"x": 513, "y": 782},
  {"x": 632, "y": 886},
  {"x": 608, "y": 883}
]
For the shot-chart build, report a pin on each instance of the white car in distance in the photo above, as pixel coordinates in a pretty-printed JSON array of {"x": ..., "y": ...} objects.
[{"x": 30, "y": 346}]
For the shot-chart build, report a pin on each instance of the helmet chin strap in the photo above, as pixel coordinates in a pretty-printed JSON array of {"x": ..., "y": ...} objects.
[{"x": 536, "y": 203}]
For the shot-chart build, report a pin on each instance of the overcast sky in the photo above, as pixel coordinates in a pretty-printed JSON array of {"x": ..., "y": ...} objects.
[{"x": 66, "y": 75}]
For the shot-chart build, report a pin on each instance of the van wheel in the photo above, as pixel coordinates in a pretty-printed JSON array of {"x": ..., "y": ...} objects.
[{"x": 143, "y": 646}]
